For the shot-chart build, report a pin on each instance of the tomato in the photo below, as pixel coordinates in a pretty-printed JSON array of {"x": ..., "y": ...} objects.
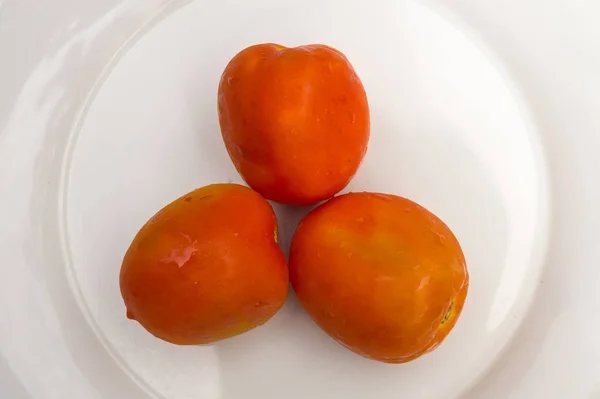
[
  {"x": 295, "y": 121},
  {"x": 380, "y": 274},
  {"x": 206, "y": 267}
]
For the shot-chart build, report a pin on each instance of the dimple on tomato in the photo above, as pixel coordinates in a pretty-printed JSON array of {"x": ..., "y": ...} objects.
[
  {"x": 295, "y": 121},
  {"x": 380, "y": 274},
  {"x": 206, "y": 267}
]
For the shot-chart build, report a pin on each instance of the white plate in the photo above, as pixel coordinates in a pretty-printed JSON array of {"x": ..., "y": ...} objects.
[{"x": 108, "y": 112}]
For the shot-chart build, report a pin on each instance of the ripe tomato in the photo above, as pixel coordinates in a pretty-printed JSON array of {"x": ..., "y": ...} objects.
[
  {"x": 206, "y": 267},
  {"x": 295, "y": 121},
  {"x": 380, "y": 274}
]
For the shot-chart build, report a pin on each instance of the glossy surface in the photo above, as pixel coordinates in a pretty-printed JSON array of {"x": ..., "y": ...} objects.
[
  {"x": 206, "y": 267},
  {"x": 295, "y": 121},
  {"x": 520, "y": 76},
  {"x": 380, "y": 274}
]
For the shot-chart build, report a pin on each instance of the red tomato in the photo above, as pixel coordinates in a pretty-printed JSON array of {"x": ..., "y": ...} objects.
[
  {"x": 206, "y": 267},
  {"x": 380, "y": 274},
  {"x": 295, "y": 121}
]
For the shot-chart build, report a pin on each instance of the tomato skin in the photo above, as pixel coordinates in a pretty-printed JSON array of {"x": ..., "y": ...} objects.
[
  {"x": 206, "y": 267},
  {"x": 295, "y": 121},
  {"x": 380, "y": 274}
]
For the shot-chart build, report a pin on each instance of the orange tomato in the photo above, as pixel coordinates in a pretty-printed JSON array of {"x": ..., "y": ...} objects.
[
  {"x": 206, "y": 267},
  {"x": 380, "y": 274},
  {"x": 295, "y": 121}
]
